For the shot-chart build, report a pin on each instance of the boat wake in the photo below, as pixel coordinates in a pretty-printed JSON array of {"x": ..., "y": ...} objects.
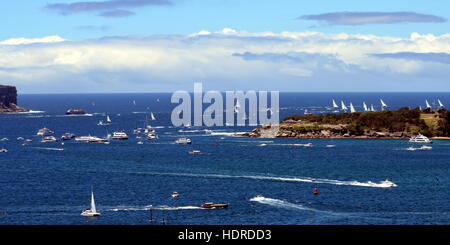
[
  {"x": 282, "y": 204},
  {"x": 382, "y": 184},
  {"x": 150, "y": 207}
]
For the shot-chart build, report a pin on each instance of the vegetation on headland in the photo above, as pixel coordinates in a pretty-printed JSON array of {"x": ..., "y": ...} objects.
[{"x": 401, "y": 123}]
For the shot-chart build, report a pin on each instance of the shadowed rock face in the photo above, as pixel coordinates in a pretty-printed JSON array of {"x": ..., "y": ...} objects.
[{"x": 8, "y": 100}]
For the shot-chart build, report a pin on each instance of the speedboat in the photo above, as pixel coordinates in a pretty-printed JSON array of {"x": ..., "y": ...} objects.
[
  {"x": 151, "y": 136},
  {"x": 411, "y": 148},
  {"x": 425, "y": 147},
  {"x": 211, "y": 205},
  {"x": 420, "y": 139},
  {"x": 119, "y": 136},
  {"x": 44, "y": 132},
  {"x": 48, "y": 139},
  {"x": 175, "y": 194},
  {"x": 388, "y": 183},
  {"x": 92, "y": 212},
  {"x": 3, "y": 150},
  {"x": 195, "y": 152},
  {"x": 183, "y": 141}
]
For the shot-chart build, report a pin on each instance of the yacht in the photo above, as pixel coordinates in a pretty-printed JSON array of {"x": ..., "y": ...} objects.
[
  {"x": 92, "y": 212},
  {"x": 94, "y": 139},
  {"x": 183, "y": 141},
  {"x": 411, "y": 148},
  {"x": 48, "y": 139},
  {"x": 420, "y": 139},
  {"x": 119, "y": 135},
  {"x": 44, "y": 132},
  {"x": 85, "y": 138}
]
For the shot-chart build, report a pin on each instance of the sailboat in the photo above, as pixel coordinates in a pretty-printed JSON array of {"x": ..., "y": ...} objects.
[
  {"x": 334, "y": 104},
  {"x": 343, "y": 106},
  {"x": 427, "y": 104},
  {"x": 134, "y": 102},
  {"x": 108, "y": 121},
  {"x": 92, "y": 212},
  {"x": 352, "y": 109},
  {"x": 372, "y": 108},
  {"x": 365, "y": 106},
  {"x": 382, "y": 104},
  {"x": 440, "y": 104},
  {"x": 153, "y": 118}
]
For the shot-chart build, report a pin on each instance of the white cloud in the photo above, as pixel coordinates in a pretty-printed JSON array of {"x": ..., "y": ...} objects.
[
  {"x": 299, "y": 61},
  {"x": 21, "y": 41}
]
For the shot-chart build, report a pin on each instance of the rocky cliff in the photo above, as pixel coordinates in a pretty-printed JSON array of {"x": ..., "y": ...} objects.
[{"x": 8, "y": 100}]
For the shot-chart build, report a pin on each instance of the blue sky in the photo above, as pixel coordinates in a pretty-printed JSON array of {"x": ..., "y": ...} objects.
[{"x": 307, "y": 45}]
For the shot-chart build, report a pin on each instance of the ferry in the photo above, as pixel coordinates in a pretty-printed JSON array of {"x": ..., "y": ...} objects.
[
  {"x": 75, "y": 112},
  {"x": 119, "y": 136},
  {"x": 420, "y": 139},
  {"x": 211, "y": 205},
  {"x": 44, "y": 132},
  {"x": 183, "y": 141}
]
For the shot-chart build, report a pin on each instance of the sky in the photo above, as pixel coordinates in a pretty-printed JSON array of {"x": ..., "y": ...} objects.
[{"x": 104, "y": 46}]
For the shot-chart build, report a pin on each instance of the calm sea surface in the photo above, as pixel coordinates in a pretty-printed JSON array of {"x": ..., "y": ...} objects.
[{"x": 131, "y": 182}]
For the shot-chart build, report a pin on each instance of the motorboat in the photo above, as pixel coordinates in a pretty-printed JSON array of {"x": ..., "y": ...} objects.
[
  {"x": 195, "y": 152},
  {"x": 151, "y": 137},
  {"x": 119, "y": 135},
  {"x": 211, "y": 205},
  {"x": 387, "y": 183},
  {"x": 175, "y": 194},
  {"x": 85, "y": 138},
  {"x": 67, "y": 136},
  {"x": 94, "y": 139},
  {"x": 92, "y": 212},
  {"x": 48, "y": 139},
  {"x": 425, "y": 147},
  {"x": 420, "y": 139},
  {"x": 44, "y": 132},
  {"x": 183, "y": 141},
  {"x": 330, "y": 146},
  {"x": 411, "y": 148},
  {"x": 20, "y": 138},
  {"x": 140, "y": 143},
  {"x": 3, "y": 150}
]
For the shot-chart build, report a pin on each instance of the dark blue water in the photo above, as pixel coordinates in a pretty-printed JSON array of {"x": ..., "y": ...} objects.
[{"x": 40, "y": 185}]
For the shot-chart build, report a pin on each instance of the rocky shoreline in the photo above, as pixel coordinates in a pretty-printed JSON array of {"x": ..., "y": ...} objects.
[{"x": 8, "y": 100}]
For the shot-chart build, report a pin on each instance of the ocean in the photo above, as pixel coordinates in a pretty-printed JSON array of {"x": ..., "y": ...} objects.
[{"x": 41, "y": 185}]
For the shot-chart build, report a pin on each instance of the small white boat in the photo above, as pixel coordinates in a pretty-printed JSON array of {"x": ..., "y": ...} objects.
[
  {"x": 140, "y": 143},
  {"x": 119, "y": 136},
  {"x": 92, "y": 212},
  {"x": 3, "y": 150},
  {"x": 175, "y": 194},
  {"x": 330, "y": 146},
  {"x": 48, "y": 139},
  {"x": 20, "y": 138},
  {"x": 195, "y": 152},
  {"x": 183, "y": 141},
  {"x": 420, "y": 139},
  {"x": 85, "y": 138},
  {"x": 67, "y": 136},
  {"x": 388, "y": 183},
  {"x": 44, "y": 132},
  {"x": 151, "y": 137},
  {"x": 425, "y": 147},
  {"x": 263, "y": 144},
  {"x": 411, "y": 148}
]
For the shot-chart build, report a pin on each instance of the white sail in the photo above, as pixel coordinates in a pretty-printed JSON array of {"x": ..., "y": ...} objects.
[
  {"x": 440, "y": 103},
  {"x": 108, "y": 119},
  {"x": 93, "y": 209},
  {"x": 427, "y": 104},
  {"x": 382, "y": 104},
  {"x": 152, "y": 116},
  {"x": 334, "y": 104},
  {"x": 372, "y": 108},
  {"x": 365, "y": 106},
  {"x": 134, "y": 102},
  {"x": 420, "y": 107},
  {"x": 352, "y": 109},
  {"x": 343, "y": 106}
]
